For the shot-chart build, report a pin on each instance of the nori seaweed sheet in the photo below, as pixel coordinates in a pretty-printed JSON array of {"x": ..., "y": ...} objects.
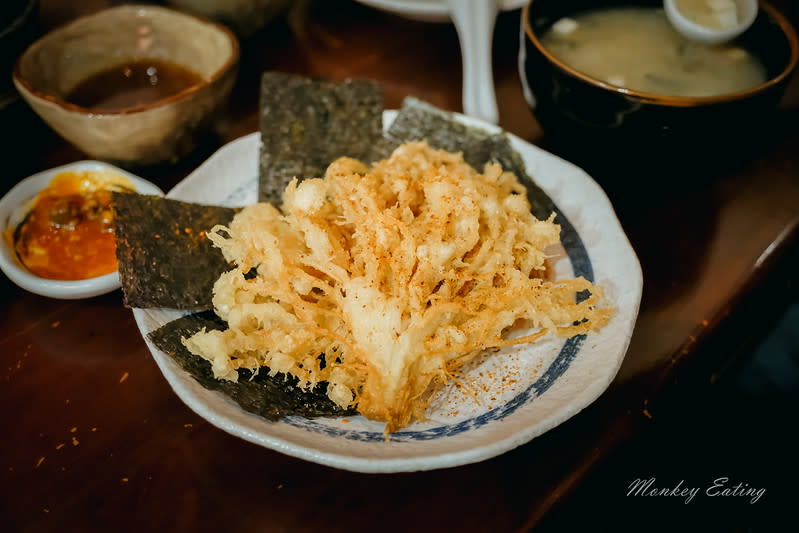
[
  {"x": 272, "y": 397},
  {"x": 164, "y": 256},
  {"x": 306, "y": 124},
  {"x": 418, "y": 120}
]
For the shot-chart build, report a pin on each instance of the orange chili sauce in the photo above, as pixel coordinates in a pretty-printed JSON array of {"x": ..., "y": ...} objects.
[{"x": 69, "y": 232}]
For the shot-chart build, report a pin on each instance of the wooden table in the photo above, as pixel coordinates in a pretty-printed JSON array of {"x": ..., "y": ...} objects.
[{"x": 95, "y": 440}]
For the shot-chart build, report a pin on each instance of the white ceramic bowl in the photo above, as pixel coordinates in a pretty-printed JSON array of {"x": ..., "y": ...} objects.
[
  {"x": 747, "y": 13},
  {"x": 12, "y": 212},
  {"x": 429, "y": 10},
  {"x": 474, "y": 22}
]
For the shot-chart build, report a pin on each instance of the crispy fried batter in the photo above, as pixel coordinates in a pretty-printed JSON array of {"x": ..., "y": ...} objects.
[{"x": 399, "y": 274}]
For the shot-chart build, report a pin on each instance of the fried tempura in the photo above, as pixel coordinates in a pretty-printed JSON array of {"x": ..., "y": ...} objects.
[{"x": 383, "y": 280}]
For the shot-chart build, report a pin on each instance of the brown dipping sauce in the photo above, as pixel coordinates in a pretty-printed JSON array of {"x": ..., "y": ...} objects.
[{"x": 132, "y": 84}]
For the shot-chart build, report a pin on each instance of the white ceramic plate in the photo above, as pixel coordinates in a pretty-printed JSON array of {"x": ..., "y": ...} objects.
[
  {"x": 428, "y": 10},
  {"x": 523, "y": 391},
  {"x": 13, "y": 208}
]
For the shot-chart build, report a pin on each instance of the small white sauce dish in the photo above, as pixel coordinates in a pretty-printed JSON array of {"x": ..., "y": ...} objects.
[
  {"x": 692, "y": 30},
  {"x": 13, "y": 208}
]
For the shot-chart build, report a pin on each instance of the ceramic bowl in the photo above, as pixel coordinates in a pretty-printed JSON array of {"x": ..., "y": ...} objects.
[
  {"x": 13, "y": 208},
  {"x": 611, "y": 122},
  {"x": 244, "y": 16},
  {"x": 161, "y": 131},
  {"x": 475, "y": 27},
  {"x": 428, "y": 10}
]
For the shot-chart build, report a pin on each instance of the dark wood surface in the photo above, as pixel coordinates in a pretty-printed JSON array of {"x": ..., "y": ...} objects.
[{"x": 95, "y": 440}]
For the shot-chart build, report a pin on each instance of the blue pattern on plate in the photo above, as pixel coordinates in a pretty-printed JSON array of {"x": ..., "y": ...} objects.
[{"x": 581, "y": 266}]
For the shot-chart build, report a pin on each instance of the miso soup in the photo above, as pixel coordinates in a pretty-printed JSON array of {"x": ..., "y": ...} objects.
[{"x": 638, "y": 49}]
